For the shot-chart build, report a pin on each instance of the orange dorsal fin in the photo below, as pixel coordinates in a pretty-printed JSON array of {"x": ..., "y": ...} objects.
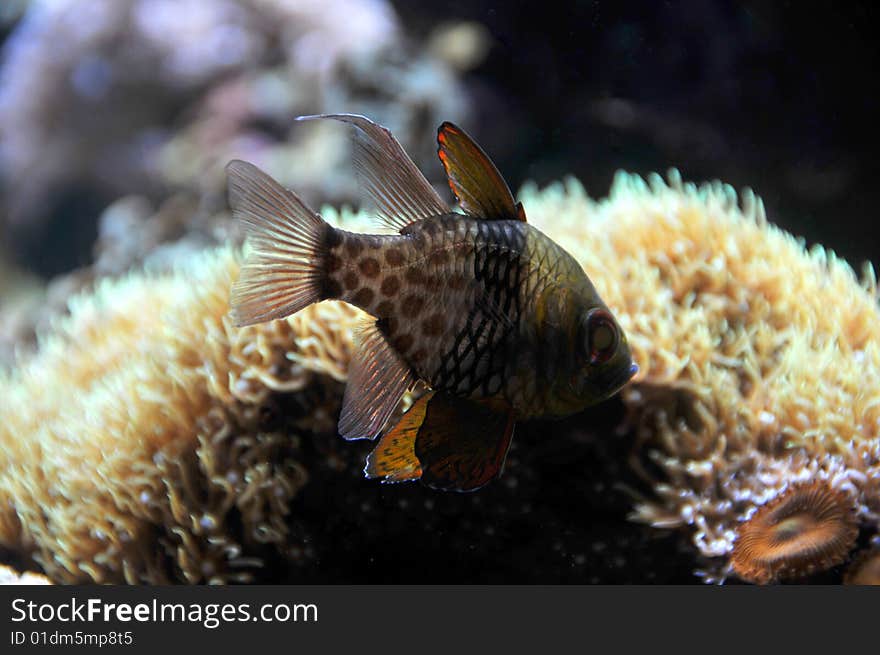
[
  {"x": 473, "y": 178},
  {"x": 451, "y": 443},
  {"x": 377, "y": 378}
]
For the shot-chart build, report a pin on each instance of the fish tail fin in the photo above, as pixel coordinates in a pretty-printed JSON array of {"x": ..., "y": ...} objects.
[{"x": 284, "y": 271}]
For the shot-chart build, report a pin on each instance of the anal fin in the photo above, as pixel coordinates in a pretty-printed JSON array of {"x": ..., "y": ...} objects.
[
  {"x": 377, "y": 379},
  {"x": 452, "y": 444}
]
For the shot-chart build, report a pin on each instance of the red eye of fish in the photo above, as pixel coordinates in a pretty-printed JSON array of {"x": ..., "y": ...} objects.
[{"x": 602, "y": 336}]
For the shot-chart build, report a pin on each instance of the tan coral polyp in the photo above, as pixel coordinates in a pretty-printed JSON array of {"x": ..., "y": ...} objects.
[{"x": 809, "y": 528}]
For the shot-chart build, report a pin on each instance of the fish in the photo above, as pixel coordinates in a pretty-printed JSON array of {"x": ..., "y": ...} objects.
[{"x": 498, "y": 321}]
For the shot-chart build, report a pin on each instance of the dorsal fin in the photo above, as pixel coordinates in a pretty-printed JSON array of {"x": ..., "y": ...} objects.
[
  {"x": 473, "y": 178},
  {"x": 391, "y": 180},
  {"x": 377, "y": 378}
]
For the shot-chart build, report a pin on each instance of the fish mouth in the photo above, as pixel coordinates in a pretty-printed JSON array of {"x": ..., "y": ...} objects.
[{"x": 619, "y": 378}]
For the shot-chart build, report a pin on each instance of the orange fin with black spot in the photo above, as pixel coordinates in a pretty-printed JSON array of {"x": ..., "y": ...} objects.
[
  {"x": 473, "y": 178},
  {"x": 394, "y": 457}
]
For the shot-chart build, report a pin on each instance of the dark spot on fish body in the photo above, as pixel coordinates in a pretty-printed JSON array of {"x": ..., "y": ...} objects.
[
  {"x": 434, "y": 325},
  {"x": 390, "y": 285},
  {"x": 393, "y": 257},
  {"x": 384, "y": 309},
  {"x": 498, "y": 267},
  {"x": 430, "y": 228},
  {"x": 415, "y": 276},
  {"x": 369, "y": 266},
  {"x": 412, "y": 305},
  {"x": 511, "y": 281},
  {"x": 363, "y": 298},
  {"x": 390, "y": 325},
  {"x": 333, "y": 263},
  {"x": 351, "y": 281},
  {"x": 418, "y": 356},
  {"x": 403, "y": 343}
]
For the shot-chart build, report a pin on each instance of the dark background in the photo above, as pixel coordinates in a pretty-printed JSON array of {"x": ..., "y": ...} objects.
[{"x": 778, "y": 96}]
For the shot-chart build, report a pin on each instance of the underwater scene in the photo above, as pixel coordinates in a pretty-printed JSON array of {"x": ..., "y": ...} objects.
[{"x": 378, "y": 291}]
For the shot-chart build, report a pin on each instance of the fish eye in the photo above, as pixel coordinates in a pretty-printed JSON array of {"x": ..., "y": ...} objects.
[{"x": 602, "y": 336}]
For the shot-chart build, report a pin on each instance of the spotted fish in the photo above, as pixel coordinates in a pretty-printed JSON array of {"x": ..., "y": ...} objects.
[{"x": 499, "y": 321}]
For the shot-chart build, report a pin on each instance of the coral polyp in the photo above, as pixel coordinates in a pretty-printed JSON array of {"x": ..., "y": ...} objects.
[{"x": 809, "y": 528}]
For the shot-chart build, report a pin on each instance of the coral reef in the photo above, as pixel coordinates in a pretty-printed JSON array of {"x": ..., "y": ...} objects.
[
  {"x": 760, "y": 364},
  {"x": 150, "y": 441}
]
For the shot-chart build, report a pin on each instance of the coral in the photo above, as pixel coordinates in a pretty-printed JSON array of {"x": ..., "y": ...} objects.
[
  {"x": 760, "y": 359},
  {"x": 148, "y": 440},
  {"x": 9, "y": 575},
  {"x": 808, "y": 528}
]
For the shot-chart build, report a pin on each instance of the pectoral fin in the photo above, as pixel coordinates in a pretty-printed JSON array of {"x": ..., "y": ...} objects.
[
  {"x": 451, "y": 443},
  {"x": 377, "y": 378},
  {"x": 473, "y": 178}
]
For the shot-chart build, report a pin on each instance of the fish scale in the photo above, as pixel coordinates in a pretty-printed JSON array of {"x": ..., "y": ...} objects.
[
  {"x": 455, "y": 263},
  {"x": 473, "y": 353}
]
